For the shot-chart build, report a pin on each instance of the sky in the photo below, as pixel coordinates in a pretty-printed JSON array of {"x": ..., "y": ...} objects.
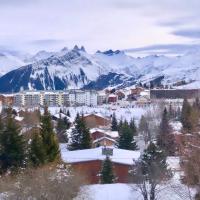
[{"x": 137, "y": 26}]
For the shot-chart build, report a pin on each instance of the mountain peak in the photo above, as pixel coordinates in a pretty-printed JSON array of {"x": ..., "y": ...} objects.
[
  {"x": 64, "y": 49},
  {"x": 110, "y": 52},
  {"x": 82, "y": 48},
  {"x": 76, "y": 48}
]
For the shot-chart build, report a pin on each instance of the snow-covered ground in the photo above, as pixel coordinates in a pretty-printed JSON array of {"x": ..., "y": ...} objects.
[
  {"x": 172, "y": 190},
  {"x": 105, "y": 110},
  {"x": 120, "y": 191}
]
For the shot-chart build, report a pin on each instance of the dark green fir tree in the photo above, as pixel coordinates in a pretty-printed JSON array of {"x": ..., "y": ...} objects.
[
  {"x": 114, "y": 125},
  {"x": 12, "y": 146},
  {"x": 49, "y": 138},
  {"x": 107, "y": 174},
  {"x": 37, "y": 151},
  {"x": 126, "y": 138},
  {"x": 165, "y": 139}
]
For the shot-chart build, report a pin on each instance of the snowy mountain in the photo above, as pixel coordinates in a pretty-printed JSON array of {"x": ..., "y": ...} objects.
[
  {"x": 9, "y": 62},
  {"x": 76, "y": 68}
]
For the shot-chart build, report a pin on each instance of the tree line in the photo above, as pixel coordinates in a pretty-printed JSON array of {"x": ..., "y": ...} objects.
[{"x": 17, "y": 152}]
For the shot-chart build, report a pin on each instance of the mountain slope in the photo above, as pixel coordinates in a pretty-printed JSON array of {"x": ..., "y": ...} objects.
[
  {"x": 77, "y": 69},
  {"x": 9, "y": 62}
]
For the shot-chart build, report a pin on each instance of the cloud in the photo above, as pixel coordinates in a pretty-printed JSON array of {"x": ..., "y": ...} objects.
[
  {"x": 96, "y": 24},
  {"x": 47, "y": 42},
  {"x": 189, "y": 33},
  {"x": 14, "y": 3},
  {"x": 165, "y": 49}
]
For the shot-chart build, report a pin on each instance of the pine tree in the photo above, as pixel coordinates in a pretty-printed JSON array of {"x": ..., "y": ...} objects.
[
  {"x": 86, "y": 139},
  {"x": 144, "y": 129},
  {"x": 171, "y": 112},
  {"x": 49, "y": 137},
  {"x": 133, "y": 126},
  {"x": 154, "y": 159},
  {"x": 68, "y": 113},
  {"x": 107, "y": 175},
  {"x": 1, "y": 124},
  {"x": 114, "y": 125},
  {"x": 151, "y": 170},
  {"x": 12, "y": 146},
  {"x": 80, "y": 137},
  {"x": 189, "y": 116},
  {"x": 37, "y": 152},
  {"x": 165, "y": 139},
  {"x": 126, "y": 138},
  {"x": 76, "y": 135},
  {"x": 120, "y": 124},
  {"x": 62, "y": 126}
]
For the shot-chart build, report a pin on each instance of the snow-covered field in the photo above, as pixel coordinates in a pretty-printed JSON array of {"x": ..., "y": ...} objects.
[
  {"x": 172, "y": 190},
  {"x": 121, "y": 191},
  {"x": 105, "y": 110}
]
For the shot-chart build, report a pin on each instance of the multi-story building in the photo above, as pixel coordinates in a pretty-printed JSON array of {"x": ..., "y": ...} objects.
[
  {"x": 91, "y": 98},
  {"x": 55, "y": 98}
]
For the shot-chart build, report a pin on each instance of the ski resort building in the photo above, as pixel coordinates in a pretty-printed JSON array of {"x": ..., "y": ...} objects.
[{"x": 55, "y": 98}]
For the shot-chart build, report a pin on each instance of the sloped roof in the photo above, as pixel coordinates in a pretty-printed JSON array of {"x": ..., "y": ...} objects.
[{"x": 121, "y": 156}]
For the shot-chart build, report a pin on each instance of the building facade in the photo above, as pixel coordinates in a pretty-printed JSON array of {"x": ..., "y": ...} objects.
[{"x": 55, "y": 98}]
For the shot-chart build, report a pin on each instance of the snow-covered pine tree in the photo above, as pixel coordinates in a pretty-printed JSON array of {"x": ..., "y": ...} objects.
[
  {"x": 80, "y": 136},
  {"x": 144, "y": 129},
  {"x": 12, "y": 145},
  {"x": 133, "y": 126},
  {"x": 165, "y": 139},
  {"x": 150, "y": 171},
  {"x": 126, "y": 138},
  {"x": 49, "y": 138},
  {"x": 107, "y": 174},
  {"x": 114, "y": 125},
  {"x": 68, "y": 113},
  {"x": 86, "y": 139},
  {"x": 62, "y": 126}
]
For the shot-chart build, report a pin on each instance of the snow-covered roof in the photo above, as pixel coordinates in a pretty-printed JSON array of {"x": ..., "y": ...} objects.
[
  {"x": 112, "y": 95},
  {"x": 58, "y": 115},
  {"x": 18, "y": 118},
  {"x": 113, "y": 134},
  {"x": 96, "y": 114},
  {"x": 102, "y": 138},
  {"x": 119, "y": 155}
]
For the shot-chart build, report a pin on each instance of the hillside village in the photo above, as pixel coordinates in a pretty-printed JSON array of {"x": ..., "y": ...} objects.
[{"x": 117, "y": 127}]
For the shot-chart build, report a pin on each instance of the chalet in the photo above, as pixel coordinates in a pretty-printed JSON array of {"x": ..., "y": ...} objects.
[
  {"x": 137, "y": 90},
  {"x": 112, "y": 98},
  {"x": 102, "y": 137},
  {"x": 89, "y": 162},
  {"x": 142, "y": 101},
  {"x": 104, "y": 141},
  {"x": 120, "y": 95},
  {"x": 97, "y": 133},
  {"x": 95, "y": 120}
]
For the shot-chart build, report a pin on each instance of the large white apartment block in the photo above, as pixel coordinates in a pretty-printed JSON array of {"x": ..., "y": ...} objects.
[{"x": 56, "y": 98}]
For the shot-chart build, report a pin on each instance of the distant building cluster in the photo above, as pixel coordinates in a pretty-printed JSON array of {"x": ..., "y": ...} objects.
[
  {"x": 76, "y": 97},
  {"x": 56, "y": 98},
  {"x": 51, "y": 98}
]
